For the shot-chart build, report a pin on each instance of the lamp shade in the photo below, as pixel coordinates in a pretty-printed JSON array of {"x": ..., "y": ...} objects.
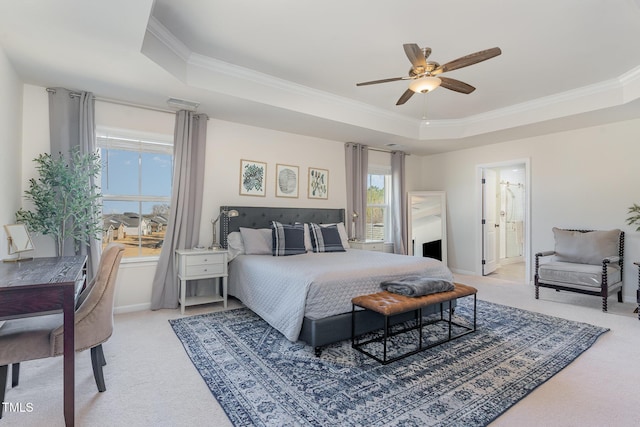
[{"x": 424, "y": 84}]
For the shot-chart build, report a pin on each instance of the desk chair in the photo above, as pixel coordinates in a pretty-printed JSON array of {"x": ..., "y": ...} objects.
[{"x": 42, "y": 336}]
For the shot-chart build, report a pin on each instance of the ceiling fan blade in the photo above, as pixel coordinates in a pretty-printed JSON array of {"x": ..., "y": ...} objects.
[
  {"x": 456, "y": 85},
  {"x": 405, "y": 97},
  {"x": 417, "y": 57},
  {"x": 374, "y": 82},
  {"x": 465, "y": 61}
]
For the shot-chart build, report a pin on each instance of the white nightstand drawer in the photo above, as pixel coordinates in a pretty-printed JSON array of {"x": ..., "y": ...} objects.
[
  {"x": 204, "y": 259},
  {"x": 203, "y": 270},
  {"x": 195, "y": 264},
  {"x": 376, "y": 245}
]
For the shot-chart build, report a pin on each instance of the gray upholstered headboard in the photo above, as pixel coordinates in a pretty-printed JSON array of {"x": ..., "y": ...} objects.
[{"x": 261, "y": 217}]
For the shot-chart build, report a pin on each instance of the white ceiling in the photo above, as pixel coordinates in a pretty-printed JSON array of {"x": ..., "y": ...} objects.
[{"x": 291, "y": 65}]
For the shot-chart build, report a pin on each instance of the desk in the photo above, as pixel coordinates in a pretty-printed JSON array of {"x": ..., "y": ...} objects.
[{"x": 41, "y": 286}]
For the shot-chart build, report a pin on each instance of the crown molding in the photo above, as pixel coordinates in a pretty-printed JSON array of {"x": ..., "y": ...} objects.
[
  {"x": 217, "y": 66},
  {"x": 256, "y": 86},
  {"x": 630, "y": 76},
  {"x": 166, "y": 37}
]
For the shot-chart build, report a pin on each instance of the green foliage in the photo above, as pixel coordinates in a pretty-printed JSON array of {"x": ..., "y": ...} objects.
[
  {"x": 67, "y": 205},
  {"x": 634, "y": 219},
  {"x": 375, "y": 195}
]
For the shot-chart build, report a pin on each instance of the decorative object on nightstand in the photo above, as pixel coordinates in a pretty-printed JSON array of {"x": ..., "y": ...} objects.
[
  {"x": 354, "y": 218},
  {"x": 231, "y": 214},
  {"x": 368, "y": 245},
  {"x": 193, "y": 264}
]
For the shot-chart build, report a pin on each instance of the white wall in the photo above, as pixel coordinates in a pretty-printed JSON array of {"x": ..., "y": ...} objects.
[
  {"x": 585, "y": 178},
  {"x": 10, "y": 145},
  {"x": 35, "y": 141},
  {"x": 414, "y": 180},
  {"x": 227, "y": 144}
]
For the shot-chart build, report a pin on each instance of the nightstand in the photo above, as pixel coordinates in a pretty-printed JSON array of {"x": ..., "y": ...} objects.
[
  {"x": 195, "y": 264},
  {"x": 368, "y": 245}
]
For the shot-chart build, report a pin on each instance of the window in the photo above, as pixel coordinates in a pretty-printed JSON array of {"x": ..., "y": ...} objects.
[
  {"x": 136, "y": 192},
  {"x": 378, "y": 200}
]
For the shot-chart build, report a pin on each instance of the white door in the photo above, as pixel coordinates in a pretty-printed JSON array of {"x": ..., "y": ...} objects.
[{"x": 489, "y": 222}]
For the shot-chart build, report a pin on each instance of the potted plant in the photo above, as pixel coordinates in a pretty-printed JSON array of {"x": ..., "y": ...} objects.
[
  {"x": 66, "y": 203},
  {"x": 634, "y": 219}
]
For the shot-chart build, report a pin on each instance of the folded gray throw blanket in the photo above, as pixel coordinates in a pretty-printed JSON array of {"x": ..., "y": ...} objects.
[{"x": 416, "y": 286}]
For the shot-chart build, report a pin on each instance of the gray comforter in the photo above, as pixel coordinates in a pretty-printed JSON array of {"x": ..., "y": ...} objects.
[{"x": 283, "y": 290}]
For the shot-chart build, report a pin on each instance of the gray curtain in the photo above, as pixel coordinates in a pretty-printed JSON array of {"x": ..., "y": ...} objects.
[
  {"x": 183, "y": 228},
  {"x": 398, "y": 203},
  {"x": 72, "y": 123},
  {"x": 356, "y": 160}
]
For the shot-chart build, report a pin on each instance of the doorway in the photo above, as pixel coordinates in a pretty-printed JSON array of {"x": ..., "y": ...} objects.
[{"x": 504, "y": 219}]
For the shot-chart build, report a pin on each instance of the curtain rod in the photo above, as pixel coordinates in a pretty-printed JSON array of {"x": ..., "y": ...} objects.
[
  {"x": 131, "y": 104},
  {"x": 383, "y": 150},
  {"x": 118, "y": 102}
]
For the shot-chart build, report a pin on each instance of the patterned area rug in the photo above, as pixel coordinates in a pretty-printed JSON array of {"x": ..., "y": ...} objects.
[{"x": 262, "y": 379}]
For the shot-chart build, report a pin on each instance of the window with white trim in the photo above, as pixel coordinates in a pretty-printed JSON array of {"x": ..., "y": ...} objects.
[
  {"x": 136, "y": 191},
  {"x": 378, "y": 202}
]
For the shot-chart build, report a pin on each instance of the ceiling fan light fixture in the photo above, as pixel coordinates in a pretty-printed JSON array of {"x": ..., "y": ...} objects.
[{"x": 425, "y": 84}]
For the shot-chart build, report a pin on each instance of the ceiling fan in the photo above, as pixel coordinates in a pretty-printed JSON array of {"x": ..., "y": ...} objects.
[{"x": 425, "y": 75}]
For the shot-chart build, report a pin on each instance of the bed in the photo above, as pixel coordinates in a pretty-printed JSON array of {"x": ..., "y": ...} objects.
[{"x": 308, "y": 296}]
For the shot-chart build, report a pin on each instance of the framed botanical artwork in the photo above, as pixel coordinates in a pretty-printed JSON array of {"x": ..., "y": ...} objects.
[
  {"x": 287, "y": 181},
  {"x": 253, "y": 178},
  {"x": 318, "y": 183}
]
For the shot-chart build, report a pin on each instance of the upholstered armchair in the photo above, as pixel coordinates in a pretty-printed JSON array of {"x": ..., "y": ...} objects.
[
  {"x": 585, "y": 261},
  {"x": 42, "y": 336},
  {"x": 637, "y": 310}
]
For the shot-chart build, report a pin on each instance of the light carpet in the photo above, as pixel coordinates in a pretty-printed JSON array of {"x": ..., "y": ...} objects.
[{"x": 260, "y": 378}]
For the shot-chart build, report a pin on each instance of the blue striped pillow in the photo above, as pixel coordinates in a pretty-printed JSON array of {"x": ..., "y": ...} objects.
[
  {"x": 287, "y": 239},
  {"x": 325, "y": 239}
]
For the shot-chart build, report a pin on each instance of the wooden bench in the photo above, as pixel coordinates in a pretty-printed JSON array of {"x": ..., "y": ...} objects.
[{"x": 389, "y": 304}]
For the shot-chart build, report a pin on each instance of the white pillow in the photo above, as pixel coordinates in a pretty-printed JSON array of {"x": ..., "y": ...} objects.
[
  {"x": 307, "y": 238},
  {"x": 257, "y": 241},
  {"x": 235, "y": 245},
  {"x": 342, "y": 231}
]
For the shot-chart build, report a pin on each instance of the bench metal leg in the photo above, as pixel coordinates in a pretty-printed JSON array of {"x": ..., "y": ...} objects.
[
  {"x": 386, "y": 333},
  {"x": 353, "y": 325},
  {"x": 449, "y": 320},
  {"x": 420, "y": 329}
]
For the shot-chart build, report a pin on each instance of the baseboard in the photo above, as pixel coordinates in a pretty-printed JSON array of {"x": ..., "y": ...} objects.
[
  {"x": 511, "y": 260},
  {"x": 466, "y": 272},
  {"x": 132, "y": 308}
]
